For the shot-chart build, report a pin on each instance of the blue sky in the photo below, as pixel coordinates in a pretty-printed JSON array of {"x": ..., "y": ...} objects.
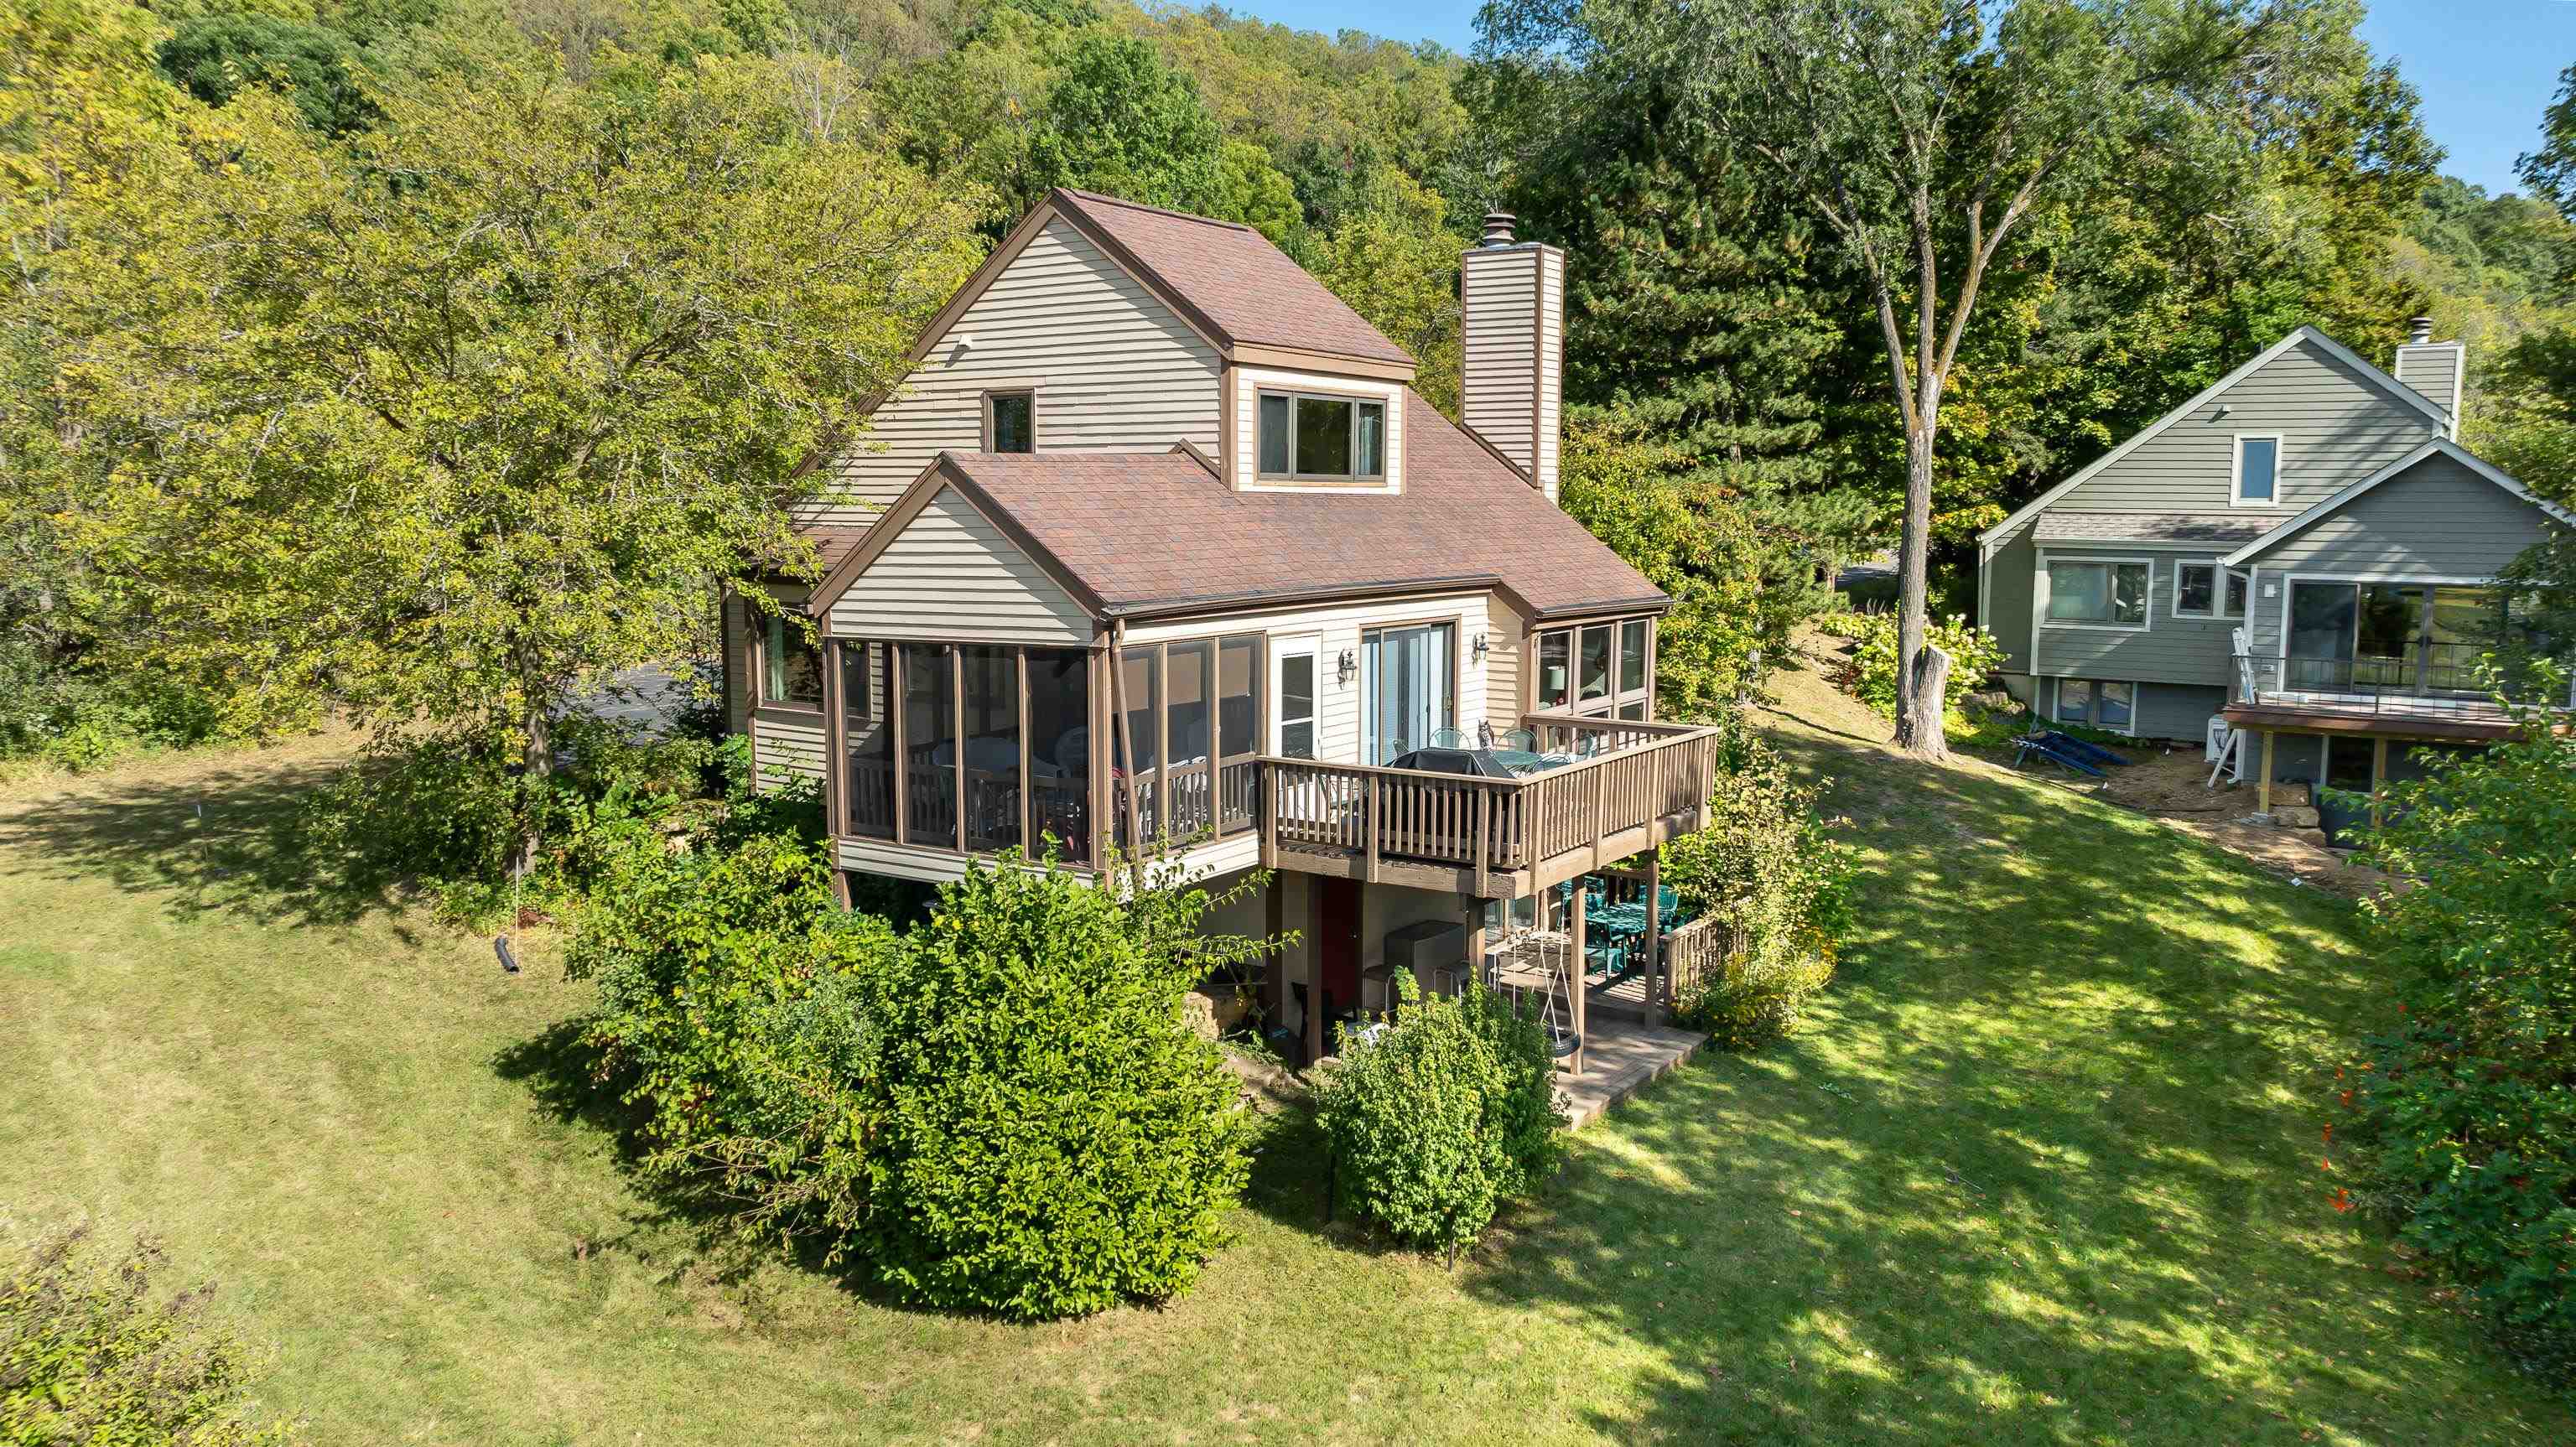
[{"x": 2486, "y": 68}]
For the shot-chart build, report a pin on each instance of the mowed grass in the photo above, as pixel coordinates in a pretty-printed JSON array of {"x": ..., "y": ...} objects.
[{"x": 2044, "y": 1169}]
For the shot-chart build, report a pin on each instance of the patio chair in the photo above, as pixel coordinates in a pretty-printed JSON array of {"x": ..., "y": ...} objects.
[{"x": 1446, "y": 739}]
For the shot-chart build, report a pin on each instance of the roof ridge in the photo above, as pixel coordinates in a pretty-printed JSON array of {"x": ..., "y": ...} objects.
[{"x": 1151, "y": 210}]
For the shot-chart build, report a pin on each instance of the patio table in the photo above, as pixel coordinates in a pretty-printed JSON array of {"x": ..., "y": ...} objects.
[{"x": 1523, "y": 761}]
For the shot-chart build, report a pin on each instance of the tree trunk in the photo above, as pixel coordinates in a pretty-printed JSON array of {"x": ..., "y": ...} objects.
[
  {"x": 1919, "y": 724},
  {"x": 538, "y": 756}
]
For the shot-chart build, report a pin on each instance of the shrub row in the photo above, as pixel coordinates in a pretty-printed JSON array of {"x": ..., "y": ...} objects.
[{"x": 1871, "y": 674}]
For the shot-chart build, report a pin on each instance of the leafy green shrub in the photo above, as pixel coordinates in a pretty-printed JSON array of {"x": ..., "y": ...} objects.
[
  {"x": 448, "y": 810},
  {"x": 1768, "y": 868},
  {"x": 732, "y": 1017},
  {"x": 2464, "y": 1128},
  {"x": 74, "y": 718},
  {"x": 91, "y": 1352},
  {"x": 1054, "y": 1139},
  {"x": 1871, "y": 676},
  {"x": 1435, "y": 1121}
]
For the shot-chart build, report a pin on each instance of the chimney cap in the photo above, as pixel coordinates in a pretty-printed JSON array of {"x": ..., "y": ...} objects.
[
  {"x": 1498, "y": 228},
  {"x": 2419, "y": 330}
]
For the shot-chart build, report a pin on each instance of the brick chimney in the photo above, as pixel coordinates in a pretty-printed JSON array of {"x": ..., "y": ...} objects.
[
  {"x": 2439, "y": 371},
  {"x": 1511, "y": 301}
]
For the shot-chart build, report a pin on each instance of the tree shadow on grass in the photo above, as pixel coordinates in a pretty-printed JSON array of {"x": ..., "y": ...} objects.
[
  {"x": 2039, "y": 1170},
  {"x": 220, "y": 839}
]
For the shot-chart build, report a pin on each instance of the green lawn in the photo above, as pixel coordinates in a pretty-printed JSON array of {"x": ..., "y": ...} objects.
[{"x": 2045, "y": 1169}]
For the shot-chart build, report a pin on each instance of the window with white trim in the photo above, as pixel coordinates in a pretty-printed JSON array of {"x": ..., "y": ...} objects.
[
  {"x": 2198, "y": 593},
  {"x": 1313, "y": 438},
  {"x": 2111, "y": 707},
  {"x": 2257, "y": 470},
  {"x": 2105, "y": 595}
]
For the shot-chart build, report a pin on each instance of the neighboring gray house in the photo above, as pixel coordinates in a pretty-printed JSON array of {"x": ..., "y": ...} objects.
[{"x": 2304, "y": 549}]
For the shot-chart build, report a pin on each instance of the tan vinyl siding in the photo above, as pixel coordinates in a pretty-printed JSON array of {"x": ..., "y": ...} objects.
[
  {"x": 952, "y": 575},
  {"x": 1503, "y": 663},
  {"x": 2438, "y": 370},
  {"x": 1501, "y": 346},
  {"x": 1114, "y": 369},
  {"x": 2437, "y": 519},
  {"x": 2336, "y": 428},
  {"x": 784, "y": 743},
  {"x": 737, "y": 671},
  {"x": 2168, "y": 650},
  {"x": 1551, "y": 368}
]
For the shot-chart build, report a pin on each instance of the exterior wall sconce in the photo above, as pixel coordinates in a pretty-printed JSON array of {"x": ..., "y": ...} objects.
[
  {"x": 1344, "y": 667},
  {"x": 1483, "y": 644}
]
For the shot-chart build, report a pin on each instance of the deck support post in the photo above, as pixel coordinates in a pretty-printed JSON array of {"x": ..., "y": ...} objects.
[
  {"x": 1274, "y": 987},
  {"x": 1576, "y": 969},
  {"x": 2263, "y": 783},
  {"x": 2378, "y": 775},
  {"x": 1655, "y": 937}
]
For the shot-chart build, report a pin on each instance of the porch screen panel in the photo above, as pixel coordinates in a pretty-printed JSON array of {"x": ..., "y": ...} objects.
[
  {"x": 868, "y": 724},
  {"x": 1059, "y": 725},
  {"x": 1189, "y": 737},
  {"x": 991, "y": 746},
  {"x": 930, "y": 746},
  {"x": 1238, "y": 732},
  {"x": 1141, "y": 697}
]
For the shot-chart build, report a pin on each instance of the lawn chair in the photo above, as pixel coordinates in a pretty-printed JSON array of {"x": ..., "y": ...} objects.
[
  {"x": 2030, "y": 747},
  {"x": 2089, "y": 753}
]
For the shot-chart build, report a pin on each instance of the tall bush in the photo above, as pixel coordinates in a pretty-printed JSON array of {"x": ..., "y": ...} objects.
[
  {"x": 2464, "y": 1128},
  {"x": 94, "y": 1351},
  {"x": 1054, "y": 1139},
  {"x": 1769, "y": 868},
  {"x": 1435, "y": 1121}
]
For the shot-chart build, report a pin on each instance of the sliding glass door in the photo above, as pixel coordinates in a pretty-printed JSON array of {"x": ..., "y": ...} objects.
[
  {"x": 1411, "y": 698},
  {"x": 2419, "y": 637}
]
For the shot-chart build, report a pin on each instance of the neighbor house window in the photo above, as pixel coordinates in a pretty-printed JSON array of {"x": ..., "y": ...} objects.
[
  {"x": 2112, "y": 707},
  {"x": 2258, "y": 469},
  {"x": 2112, "y": 595},
  {"x": 1010, "y": 422},
  {"x": 2198, "y": 591},
  {"x": 791, "y": 665},
  {"x": 1323, "y": 438}
]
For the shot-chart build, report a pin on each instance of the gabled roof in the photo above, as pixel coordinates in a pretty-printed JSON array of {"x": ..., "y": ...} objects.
[
  {"x": 2441, "y": 420},
  {"x": 2442, "y": 445},
  {"x": 1246, "y": 290},
  {"x": 1224, "y": 280},
  {"x": 1139, "y": 534}
]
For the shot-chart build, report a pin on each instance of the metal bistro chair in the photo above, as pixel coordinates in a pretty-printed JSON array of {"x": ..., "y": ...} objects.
[{"x": 1447, "y": 739}]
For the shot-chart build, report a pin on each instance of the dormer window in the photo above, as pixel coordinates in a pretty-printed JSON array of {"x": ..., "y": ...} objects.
[{"x": 1306, "y": 437}]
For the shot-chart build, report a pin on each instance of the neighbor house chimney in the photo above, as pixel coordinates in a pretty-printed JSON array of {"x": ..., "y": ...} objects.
[
  {"x": 2439, "y": 371},
  {"x": 1511, "y": 303}
]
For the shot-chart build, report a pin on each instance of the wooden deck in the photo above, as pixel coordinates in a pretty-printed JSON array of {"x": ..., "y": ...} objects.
[
  {"x": 1643, "y": 783},
  {"x": 1622, "y": 1056}
]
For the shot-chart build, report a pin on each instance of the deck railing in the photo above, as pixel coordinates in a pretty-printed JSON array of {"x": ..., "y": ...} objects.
[
  {"x": 1697, "y": 950},
  {"x": 2422, "y": 680},
  {"x": 1636, "y": 774}
]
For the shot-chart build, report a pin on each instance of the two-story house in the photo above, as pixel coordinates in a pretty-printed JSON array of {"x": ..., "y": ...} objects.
[
  {"x": 1159, "y": 550},
  {"x": 2304, "y": 549}
]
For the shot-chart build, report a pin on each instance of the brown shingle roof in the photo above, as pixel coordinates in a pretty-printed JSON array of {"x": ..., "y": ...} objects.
[
  {"x": 1156, "y": 532},
  {"x": 1240, "y": 285}
]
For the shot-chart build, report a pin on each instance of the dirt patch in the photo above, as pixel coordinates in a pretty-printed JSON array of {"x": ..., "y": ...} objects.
[{"x": 2173, "y": 785}]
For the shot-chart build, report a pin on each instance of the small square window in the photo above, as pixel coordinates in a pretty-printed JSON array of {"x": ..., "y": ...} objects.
[
  {"x": 791, "y": 665},
  {"x": 2197, "y": 591},
  {"x": 1014, "y": 424},
  {"x": 2258, "y": 470},
  {"x": 2075, "y": 701}
]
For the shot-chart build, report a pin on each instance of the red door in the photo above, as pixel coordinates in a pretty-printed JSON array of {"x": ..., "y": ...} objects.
[{"x": 1337, "y": 941}]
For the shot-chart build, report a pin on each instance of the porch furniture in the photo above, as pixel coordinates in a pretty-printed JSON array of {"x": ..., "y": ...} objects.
[
  {"x": 1528, "y": 960},
  {"x": 1447, "y": 739},
  {"x": 1524, "y": 740},
  {"x": 1475, "y": 763},
  {"x": 2036, "y": 747},
  {"x": 1524, "y": 762}
]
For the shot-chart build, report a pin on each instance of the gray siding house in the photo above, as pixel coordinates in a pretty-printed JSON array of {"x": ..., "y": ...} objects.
[
  {"x": 1157, "y": 551},
  {"x": 2303, "y": 549}
]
